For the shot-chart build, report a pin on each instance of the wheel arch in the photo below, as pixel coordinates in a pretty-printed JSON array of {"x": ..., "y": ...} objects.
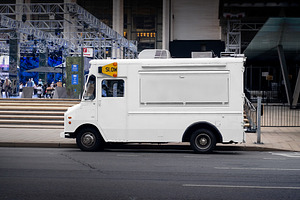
[
  {"x": 83, "y": 126},
  {"x": 206, "y": 125}
]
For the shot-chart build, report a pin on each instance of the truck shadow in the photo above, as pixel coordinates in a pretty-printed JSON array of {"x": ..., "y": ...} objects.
[{"x": 166, "y": 148}]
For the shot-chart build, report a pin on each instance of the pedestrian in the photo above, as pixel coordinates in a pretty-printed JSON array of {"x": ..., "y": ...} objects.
[
  {"x": 49, "y": 91},
  {"x": 21, "y": 88},
  {"x": 39, "y": 91},
  {"x": 7, "y": 87},
  {"x": 29, "y": 83},
  {"x": 59, "y": 83}
]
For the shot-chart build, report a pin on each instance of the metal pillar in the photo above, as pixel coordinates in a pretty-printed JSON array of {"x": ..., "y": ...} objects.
[
  {"x": 258, "y": 120},
  {"x": 296, "y": 92},
  {"x": 14, "y": 62},
  {"x": 118, "y": 26},
  {"x": 166, "y": 24},
  {"x": 285, "y": 74}
]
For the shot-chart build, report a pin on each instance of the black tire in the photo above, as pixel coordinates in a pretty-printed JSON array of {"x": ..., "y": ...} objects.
[
  {"x": 89, "y": 139},
  {"x": 203, "y": 141}
]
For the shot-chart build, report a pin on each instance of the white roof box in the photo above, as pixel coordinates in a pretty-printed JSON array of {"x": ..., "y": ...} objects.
[{"x": 154, "y": 54}]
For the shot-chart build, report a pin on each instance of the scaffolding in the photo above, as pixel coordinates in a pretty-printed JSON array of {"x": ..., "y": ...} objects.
[
  {"x": 234, "y": 34},
  {"x": 64, "y": 26}
]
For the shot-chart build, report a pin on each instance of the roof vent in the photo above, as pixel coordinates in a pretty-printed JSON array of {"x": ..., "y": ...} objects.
[
  {"x": 154, "y": 54},
  {"x": 206, "y": 54}
]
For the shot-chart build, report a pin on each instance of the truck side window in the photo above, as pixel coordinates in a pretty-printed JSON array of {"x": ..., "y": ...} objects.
[
  {"x": 90, "y": 90},
  {"x": 113, "y": 88}
]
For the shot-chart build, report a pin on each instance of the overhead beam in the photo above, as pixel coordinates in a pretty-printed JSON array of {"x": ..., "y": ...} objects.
[
  {"x": 25, "y": 28},
  {"x": 85, "y": 29}
]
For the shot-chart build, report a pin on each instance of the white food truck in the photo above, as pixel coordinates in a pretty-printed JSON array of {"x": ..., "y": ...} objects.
[{"x": 196, "y": 100}]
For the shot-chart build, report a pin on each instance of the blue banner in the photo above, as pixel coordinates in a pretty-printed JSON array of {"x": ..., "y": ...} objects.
[
  {"x": 74, "y": 79},
  {"x": 74, "y": 68}
]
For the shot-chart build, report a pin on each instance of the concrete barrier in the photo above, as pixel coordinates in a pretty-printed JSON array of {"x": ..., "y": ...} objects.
[
  {"x": 27, "y": 92},
  {"x": 60, "y": 93}
]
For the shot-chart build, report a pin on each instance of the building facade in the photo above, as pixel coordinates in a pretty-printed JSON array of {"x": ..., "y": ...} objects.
[{"x": 181, "y": 26}]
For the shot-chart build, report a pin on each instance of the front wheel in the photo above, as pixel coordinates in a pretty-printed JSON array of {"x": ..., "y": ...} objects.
[
  {"x": 203, "y": 141},
  {"x": 88, "y": 139}
]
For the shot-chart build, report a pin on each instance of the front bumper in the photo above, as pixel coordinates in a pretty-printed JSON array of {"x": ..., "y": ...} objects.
[{"x": 67, "y": 135}]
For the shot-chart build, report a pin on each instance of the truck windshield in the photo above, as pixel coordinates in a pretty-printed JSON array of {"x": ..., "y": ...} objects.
[{"x": 90, "y": 90}]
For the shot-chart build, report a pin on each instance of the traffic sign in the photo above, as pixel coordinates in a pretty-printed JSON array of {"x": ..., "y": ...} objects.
[{"x": 110, "y": 69}]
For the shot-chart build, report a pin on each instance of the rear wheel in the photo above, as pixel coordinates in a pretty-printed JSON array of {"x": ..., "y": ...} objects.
[
  {"x": 203, "y": 141},
  {"x": 88, "y": 139}
]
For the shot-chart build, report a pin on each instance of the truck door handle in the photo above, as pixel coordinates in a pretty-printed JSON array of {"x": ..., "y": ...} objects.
[{"x": 99, "y": 103}]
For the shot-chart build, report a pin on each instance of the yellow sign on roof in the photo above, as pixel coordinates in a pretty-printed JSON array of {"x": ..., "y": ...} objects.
[{"x": 110, "y": 69}]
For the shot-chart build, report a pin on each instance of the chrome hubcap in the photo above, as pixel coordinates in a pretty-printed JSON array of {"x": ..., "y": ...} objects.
[
  {"x": 203, "y": 141},
  {"x": 88, "y": 139}
]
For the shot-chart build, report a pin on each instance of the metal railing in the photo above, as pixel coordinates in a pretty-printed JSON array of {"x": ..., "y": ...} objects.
[
  {"x": 251, "y": 115},
  {"x": 280, "y": 115},
  {"x": 273, "y": 114}
]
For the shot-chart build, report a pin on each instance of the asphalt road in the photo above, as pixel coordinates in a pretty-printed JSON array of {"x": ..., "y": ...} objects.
[{"x": 39, "y": 173}]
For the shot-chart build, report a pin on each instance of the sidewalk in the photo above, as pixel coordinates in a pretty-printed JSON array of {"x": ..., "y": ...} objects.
[
  {"x": 279, "y": 138},
  {"x": 273, "y": 139}
]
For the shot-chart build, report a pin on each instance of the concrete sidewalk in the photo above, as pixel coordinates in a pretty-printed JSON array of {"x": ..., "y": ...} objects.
[{"x": 273, "y": 138}]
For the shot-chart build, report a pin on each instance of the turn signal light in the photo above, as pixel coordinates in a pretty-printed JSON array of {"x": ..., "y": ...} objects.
[
  {"x": 69, "y": 117},
  {"x": 70, "y": 122}
]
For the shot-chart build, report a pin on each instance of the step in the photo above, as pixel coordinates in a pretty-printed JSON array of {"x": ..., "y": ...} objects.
[
  {"x": 29, "y": 117},
  {"x": 33, "y": 122},
  {"x": 37, "y": 113},
  {"x": 25, "y": 108},
  {"x": 34, "y": 104},
  {"x": 39, "y": 100},
  {"x": 30, "y": 126},
  {"x": 34, "y": 113},
  {"x": 246, "y": 125}
]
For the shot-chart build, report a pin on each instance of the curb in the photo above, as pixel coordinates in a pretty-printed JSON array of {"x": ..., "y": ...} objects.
[
  {"x": 38, "y": 145},
  {"x": 139, "y": 146}
]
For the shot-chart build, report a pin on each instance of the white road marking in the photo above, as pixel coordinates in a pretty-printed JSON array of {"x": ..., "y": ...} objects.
[
  {"x": 255, "y": 168},
  {"x": 126, "y": 155},
  {"x": 274, "y": 159},
  {"x": 241, "y": 186},
  {"x": 200, "y": 156}
]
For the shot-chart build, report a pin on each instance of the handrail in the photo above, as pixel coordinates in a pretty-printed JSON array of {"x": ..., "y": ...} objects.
[
  {"x": 249, "y": 104},
  {"x": 250, "y": 112}
]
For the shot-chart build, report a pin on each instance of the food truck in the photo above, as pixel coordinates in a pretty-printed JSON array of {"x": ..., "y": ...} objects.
[{"x": 195, "y": 100}]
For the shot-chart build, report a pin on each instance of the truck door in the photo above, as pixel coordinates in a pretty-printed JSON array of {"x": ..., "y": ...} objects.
[
  {"x": 89, "y": 101},
  {"x": 112, "y": 109}
]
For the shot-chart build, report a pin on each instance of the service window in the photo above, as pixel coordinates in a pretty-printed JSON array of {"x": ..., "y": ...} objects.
[
  {"x": 113, "y": 88},
  {"x": 184, "y": 87},
  {"x": 90, "y": 90}
]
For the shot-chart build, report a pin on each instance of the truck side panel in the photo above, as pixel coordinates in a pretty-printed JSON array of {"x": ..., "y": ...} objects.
[{"x": 164, "y": 101}]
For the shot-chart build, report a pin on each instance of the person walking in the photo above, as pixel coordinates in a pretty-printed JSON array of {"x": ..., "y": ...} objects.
[
  {"x": 39, "y": 91},
  {"x": 7, "y": 87}
]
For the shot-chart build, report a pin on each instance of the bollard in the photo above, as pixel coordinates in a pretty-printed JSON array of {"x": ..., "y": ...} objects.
[{"x": 258, "y": 120}]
